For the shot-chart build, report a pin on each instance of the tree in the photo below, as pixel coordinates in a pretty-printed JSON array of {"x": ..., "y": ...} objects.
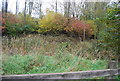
[
  {"x": 25, "y": 12},
  {"x": 67, "y": 8},
  {"x": 37, "y": 8},
  {"x": 110, "y": 35},
  {"x": 56, "y": 6},
  {"x": 91, "y": 10},
  {"x": 73, "y": 8},
  {"x": 2, "y": 6},
  {"x": 16, "y": 7},
  {"x": 40, "y": 9},
  {"x": 6, "y": 6},
  {"x": 30, "y": 7}
]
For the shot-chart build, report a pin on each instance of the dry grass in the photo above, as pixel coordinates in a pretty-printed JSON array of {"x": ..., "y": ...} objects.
[
  {"x": 51, "y": 45},
  {"x": 47, "y": 54}
]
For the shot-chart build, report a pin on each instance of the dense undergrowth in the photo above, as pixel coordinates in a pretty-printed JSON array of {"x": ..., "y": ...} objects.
[
  {"x": 50, "y": 54},
  {"x": 50, "y": 45}
]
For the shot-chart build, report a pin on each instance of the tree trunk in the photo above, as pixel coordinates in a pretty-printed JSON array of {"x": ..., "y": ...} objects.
[
  {"x": 56, "y": 6},
  {"x": 16, "y": 7},
  {"x": 3, "y": 8},
  {"x": 40, "y": 10},
  {"x": 84, "y": 33},
  {"x": 30, "y": 7},
  {"x": 6, "y": 6},
  {"x": 25, "y": 13}
]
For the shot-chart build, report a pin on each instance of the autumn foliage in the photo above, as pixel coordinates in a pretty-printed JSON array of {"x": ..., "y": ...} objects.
[
  {"x": 12, "y": 19},
  {"x": 14, "y": 24},
  {"x": 52, "y": 22},
  {"x": 78, "y": 27}
]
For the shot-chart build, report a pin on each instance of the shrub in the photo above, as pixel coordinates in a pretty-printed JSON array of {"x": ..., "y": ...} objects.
[
  {"x": 52, "y": 23},
  {"x": 93, "y": 26},
  {"x": 11, "y": 24},
  {"x": 15, "y": 25},
  {"x": 77, "y": 27},
  {"x": 30, "y": 22},
  {"x": 29, "y": 25},
  {"x": 12, "y": 19}
]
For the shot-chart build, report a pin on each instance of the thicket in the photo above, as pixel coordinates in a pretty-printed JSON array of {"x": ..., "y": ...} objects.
[
  {"x": 79, "y": 27},
  {"x": 109, "y": 36},
  {"x": 48, "y": 54},
  {"x": 13, "y": 25},
  {"x": 51, "y": 23}
]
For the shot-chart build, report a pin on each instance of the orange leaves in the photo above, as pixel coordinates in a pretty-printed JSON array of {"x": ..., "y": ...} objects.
[
  {"x": 68, "y": 29},
  {"x": 8, "y": 19},
  {"x": 12, "y": 19},
  {"x": 78, "y": 27},
  {"x": 55, "y": 22}
]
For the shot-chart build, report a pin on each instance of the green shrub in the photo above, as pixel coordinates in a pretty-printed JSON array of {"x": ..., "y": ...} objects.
[
  {"x": 15, "y": 25},
  {"x": 30, "y": 24},
  {"x": 12, "y": 24}
]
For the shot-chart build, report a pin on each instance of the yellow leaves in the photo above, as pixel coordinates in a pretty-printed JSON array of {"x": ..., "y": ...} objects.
[
  {"x": 52, "y": 22},
  {"x": 93, "y": 26}
]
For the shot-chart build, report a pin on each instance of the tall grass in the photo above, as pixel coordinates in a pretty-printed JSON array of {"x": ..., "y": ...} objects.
[
  {"x": 49, "y": 45},
  {"x": 50, "y": 54}
]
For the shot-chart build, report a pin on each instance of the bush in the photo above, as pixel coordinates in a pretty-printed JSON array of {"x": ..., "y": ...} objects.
[
  {"x": 14, "y": 25},
  {"x": 13, "y": 29},
  {"x": 76, "y": 27},
  {"x": 93, "y": 26},
  {"x": 30, "y": 23},
  {"x": 52, "y": 23}
]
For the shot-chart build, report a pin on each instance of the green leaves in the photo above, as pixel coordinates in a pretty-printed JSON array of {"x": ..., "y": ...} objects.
[
  {"x": 109, "y": 35},
  {"x": 15, "y": 26}
]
